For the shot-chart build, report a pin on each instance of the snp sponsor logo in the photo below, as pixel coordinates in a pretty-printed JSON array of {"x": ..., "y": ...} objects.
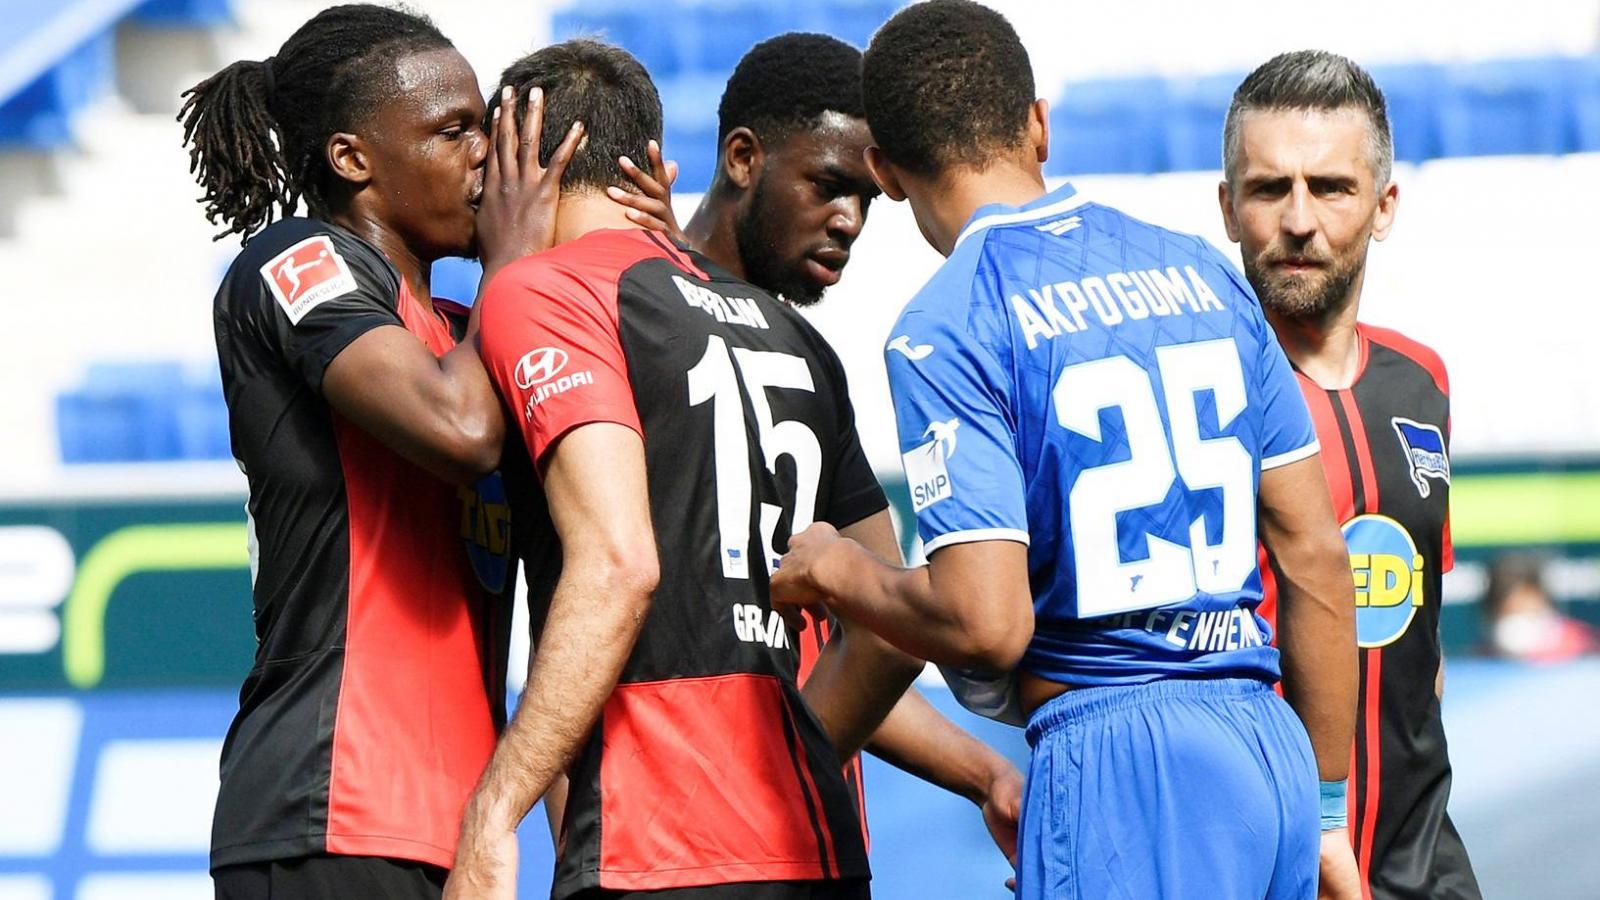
[
  {"x": 540, "y": 371},
  {"x": 755, "y": 625},
  {"x": 1389, "y": 577},
  {"x": 927, "y": 474}
]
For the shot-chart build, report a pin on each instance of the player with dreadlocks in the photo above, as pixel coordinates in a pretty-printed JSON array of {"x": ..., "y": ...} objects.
[{"x": 376, "y": 690}]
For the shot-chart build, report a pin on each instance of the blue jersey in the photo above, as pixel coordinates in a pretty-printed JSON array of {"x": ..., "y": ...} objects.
[{"x": 1107, "y": 392}]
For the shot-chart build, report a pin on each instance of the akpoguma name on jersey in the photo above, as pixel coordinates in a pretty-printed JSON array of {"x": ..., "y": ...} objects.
[
  {"x": 1199, "y": 632},
  {"x": 1062, "y": 308}
]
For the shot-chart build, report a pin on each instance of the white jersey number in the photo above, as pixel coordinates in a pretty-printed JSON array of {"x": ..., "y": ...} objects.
[
  {"x": 1159, "y": 452},
  {"x": 714, "y": 379}
]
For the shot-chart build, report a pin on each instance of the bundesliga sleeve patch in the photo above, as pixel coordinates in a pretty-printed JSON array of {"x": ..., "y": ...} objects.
[{"x": 306, "y": 275}]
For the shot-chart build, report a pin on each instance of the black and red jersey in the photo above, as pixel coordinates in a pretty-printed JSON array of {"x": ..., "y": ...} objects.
[
  {"x": 1385, "y": 451},
  {"x": 706, "y": 767},
  {"x": 371, "y": 709}
]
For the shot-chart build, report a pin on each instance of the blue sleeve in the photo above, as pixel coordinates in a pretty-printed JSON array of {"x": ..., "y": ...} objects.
[
  {"x": 952, "y": 405},
  {"x": 1287, "y": 434}
]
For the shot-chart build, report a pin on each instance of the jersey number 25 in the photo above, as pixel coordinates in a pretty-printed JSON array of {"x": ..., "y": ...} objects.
[{"x": 1160, "y": 452}]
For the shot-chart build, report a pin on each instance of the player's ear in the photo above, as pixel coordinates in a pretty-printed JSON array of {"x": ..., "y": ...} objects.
[
  {"x": 1383, "y": 218},
  {"x": 883, "y": 174},
  {"x": 742, "y": 157},
  {"x": 349, "y": 159},
  {"x": 1230, "y": 219},
  {"x": 1039, "y": 129}
]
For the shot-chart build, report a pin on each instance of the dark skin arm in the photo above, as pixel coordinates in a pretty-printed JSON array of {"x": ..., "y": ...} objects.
[
  {"x": 1317, "y": 635},
  {"x": 914, "y": 736},
  {"x": 970, "y": 607},
  {"x": 441, "y": 412}
]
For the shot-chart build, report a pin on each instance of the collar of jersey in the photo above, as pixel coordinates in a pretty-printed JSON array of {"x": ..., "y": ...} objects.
[{"x": 1054, "y": 203}]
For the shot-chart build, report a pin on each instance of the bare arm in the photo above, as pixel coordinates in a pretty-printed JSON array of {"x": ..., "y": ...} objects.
[
  {"x": 595, "y": 483},
  {"x": 1316, "y": 608},
  {"x": 969, "y": 607},
  {"x": 438, "y": 412},
  {"x": 859, "y": 676}
]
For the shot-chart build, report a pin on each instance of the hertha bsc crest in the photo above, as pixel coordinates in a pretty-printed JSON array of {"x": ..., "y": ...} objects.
[{"x": 1425, "y": 454}]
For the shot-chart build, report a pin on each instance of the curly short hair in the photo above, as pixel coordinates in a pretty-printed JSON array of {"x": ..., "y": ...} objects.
[
  {"x": 785, "y": 83},
  {"x": 946, "y": 83}
]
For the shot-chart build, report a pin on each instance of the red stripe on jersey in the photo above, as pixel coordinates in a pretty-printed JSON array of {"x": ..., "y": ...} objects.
[
  {"x": 810, "y": 643},
  {"x": 1421, "y": 354},
  {"x": 1374, "y": 786},
  {"x": 412, "y": 729},
  {"x": 830, "y": 858},
  {"x": 694, "y": 789},
  {"x": 1335, "y": 461},
  {"x": 1358, "y": 435}
]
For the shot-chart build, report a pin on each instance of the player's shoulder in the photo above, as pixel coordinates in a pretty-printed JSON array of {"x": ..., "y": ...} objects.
[
  {"x": 1411, "y": 349},
  {"x": 950, "y": 293},
  {"x": 300, "y": 263}
]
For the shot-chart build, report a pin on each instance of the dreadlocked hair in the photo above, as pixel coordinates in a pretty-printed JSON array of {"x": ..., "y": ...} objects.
[{"x": 256, "y": 130}]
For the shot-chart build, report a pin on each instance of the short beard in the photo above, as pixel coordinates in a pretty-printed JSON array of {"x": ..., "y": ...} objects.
[
  {"x": 756, "y": 239},
  {"x": 1304, "y": 297}
]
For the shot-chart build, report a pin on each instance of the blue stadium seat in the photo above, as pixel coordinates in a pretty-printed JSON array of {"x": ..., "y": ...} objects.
[
  {"x": 650, "y": 32},
  {"x": 1412, "y": 93},
  {"x": 202, "y": 420},
  {"x": 40, "y": 114},
  {"x": 1194, "y": 121},
  {"x": 689, "y": 105},
  {"x": 853, "y": 21},
  {"x": 126, "y": 412},
  {"x": 1505, "y": 107},
  {"x": 1583, "y": 92},
  {"x": 456, "y": 279},
  {"x": 694, "y": 148},
  {"x": 1111, "y": 126},
  {"x": 185, "y": 13},
  {"x": 721, "y": 32}
]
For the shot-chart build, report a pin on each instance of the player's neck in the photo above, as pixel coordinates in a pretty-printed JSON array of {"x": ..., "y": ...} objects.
[
  {"x": 1326, "y": 348},
  {"x": 580, "y": 212},
  {"x": 711, "y": 231},
  {"x": 951, "y": 200},
  {"x": 413, "y": 271}
]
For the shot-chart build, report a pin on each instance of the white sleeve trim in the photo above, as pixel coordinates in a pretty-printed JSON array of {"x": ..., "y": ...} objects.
[
  {"x": 1283, "y": 459},
  {"x": 976, "y": 534}
]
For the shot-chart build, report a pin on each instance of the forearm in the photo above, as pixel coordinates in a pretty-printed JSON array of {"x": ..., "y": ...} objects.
[
  {"x": 907, "y": 608},
  {"x": 569, "y": 680},
  {"x": 1317, "y": 637},
  {"x": 915, "y": 738},
  {"x": 856, "y": 682}
]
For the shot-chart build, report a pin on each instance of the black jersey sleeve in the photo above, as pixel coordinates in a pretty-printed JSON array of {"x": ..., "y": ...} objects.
[
  {"x": 310, "y": 290},
  {"x": 855, "y": 492}
]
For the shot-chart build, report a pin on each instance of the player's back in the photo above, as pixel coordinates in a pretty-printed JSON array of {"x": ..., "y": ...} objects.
[
  {"x": 1132, "y": 385},
  {"x": 748, "y": 437}
]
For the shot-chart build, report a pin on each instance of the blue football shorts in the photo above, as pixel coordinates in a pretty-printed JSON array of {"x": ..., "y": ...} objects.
[{"x": 1178, "y": 789}]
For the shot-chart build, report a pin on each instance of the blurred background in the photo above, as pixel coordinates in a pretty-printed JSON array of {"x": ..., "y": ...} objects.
[{"x": 124, "y": 589}]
